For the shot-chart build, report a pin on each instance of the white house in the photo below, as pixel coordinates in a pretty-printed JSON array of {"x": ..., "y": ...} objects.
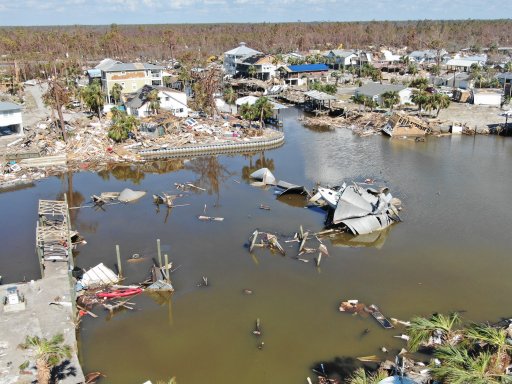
[
  {"x": 235, "y": 56},
  {"x": 341, "y": 57},
  {"x": 390, "y": 57},
  {"x": 427, "y": 56},
  {"x": 170, "y": 100},
  {"x": 10, "y": 119},
  {"x": 460, "y": 63},
  {"x": 376, "y": 90},
  {"x": 491, "y": 97}
]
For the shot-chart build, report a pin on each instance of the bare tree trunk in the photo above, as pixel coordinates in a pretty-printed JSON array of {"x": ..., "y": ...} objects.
[{"x": 43, "y": 372}]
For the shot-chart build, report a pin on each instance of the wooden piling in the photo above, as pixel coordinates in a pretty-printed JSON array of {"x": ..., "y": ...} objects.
[
  {"x": 119, "y": 266},
  {"x": 159, "y": 253},
  {"x": 166, "y": 269}
]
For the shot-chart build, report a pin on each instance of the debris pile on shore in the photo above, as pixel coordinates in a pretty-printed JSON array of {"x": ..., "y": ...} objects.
[
  {"x": 361, "y": 123},
  {"x": 41, "y": 152}
]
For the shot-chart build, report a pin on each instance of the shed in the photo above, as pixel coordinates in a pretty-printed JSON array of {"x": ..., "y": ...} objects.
[{"x": 10, "y": 119}]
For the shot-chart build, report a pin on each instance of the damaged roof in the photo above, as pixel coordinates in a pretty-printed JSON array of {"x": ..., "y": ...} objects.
[
  {"x": 377, "y": 89},
  {"x": 123, "y": 67}
]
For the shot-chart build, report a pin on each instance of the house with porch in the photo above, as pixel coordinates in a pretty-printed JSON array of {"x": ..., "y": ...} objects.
[
  {"x": 263, "y": 67},
  {"x": 137, "y": 104},
  {"x": 131, "y": 77},
  {"x": 300, "y": 74},
  {"x": 235, "y": 56},
  {"x": 11, "y": 122},
  {"x": 464, "y": 63},
  {"x": 375, "y": 91}
]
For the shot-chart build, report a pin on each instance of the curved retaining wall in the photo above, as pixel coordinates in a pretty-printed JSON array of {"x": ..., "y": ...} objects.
[{"x": 213, "y": 149}]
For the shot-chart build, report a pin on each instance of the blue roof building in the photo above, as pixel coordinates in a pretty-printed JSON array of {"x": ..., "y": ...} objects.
[
  {"x": 308, "y": 68},
  {"x": 299, "y": 74}
]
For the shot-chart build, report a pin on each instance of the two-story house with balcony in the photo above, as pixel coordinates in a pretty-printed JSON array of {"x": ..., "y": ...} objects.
[
  {"x": 236, "y": 56},
  {"x": 131, "y": 77}
]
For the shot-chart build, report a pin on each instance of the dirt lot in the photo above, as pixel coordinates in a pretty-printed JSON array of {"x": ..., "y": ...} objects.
[{"x": 472, "y": 116}]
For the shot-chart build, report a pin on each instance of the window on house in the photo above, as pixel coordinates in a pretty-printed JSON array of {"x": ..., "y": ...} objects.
[
  {"x": 167, "y": 98},
  {"x": 122, "y": 84}
]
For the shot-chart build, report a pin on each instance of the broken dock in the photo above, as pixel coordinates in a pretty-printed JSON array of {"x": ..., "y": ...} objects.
[{"x": 50, "y": 306}]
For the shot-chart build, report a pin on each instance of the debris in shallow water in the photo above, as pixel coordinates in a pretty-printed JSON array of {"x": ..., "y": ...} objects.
[
  {"x": 257, "y": 330},
  {"x": 210, "y": 218},
  {"x": 248, "y": 291},
  {"x": 264, "y": 207}
]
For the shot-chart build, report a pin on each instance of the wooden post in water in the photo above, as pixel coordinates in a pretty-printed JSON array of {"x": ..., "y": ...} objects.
[
  {"x": 40, "y": 259},
  {"x": 167, "y": 273},
  {"x": 159, "y": 253},
  {"x": 119, "y": 266}
]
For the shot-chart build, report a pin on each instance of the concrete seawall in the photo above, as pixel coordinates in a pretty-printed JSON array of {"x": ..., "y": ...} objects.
[{"x": 274, "y": 141}]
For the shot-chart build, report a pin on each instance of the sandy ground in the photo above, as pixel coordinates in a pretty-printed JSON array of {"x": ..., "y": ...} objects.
[{"x": 472, "y": 116}]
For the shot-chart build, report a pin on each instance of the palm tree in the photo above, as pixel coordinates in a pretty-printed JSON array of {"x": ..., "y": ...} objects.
[
  {"x": 476, "y": 73},
  {"x": 336, "y": 75},
  {"x": 153, "y": 101},
  {"x": 121, "y": 125},
  {"x": 431, "y": 102},
  {"x": 390, "y": 99},
  {"x": 116, "y": 92},
  {"x": 438, "y": 329},
  {"x": 360, "y": 376},
  {"x": 48, "y": 353},
  {"x": 229, "y": 95},
  {"x": 508, "y": 67},
  {"x": 420, "y": 83},
  {"x": 405, "y": 60},
  {"x": 251, "y": 71},
  {"x": 495, "y": 340},
  {"x": 420, "y": 98},
  {"x": 458, "y": 366},
  {"x": 412, "y": 69},
  {"x": 94, "y": 97},
  {"x": 442, "y": 102}
]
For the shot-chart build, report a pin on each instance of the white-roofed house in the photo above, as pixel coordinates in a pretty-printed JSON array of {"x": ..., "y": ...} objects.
[
  {"x": 464, "y": 63},
  {"x": 170, "y": 100},
  {"x": 237, "y": 55}
]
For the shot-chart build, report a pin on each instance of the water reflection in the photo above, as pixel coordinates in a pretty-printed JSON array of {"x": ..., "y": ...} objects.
[
  {"x": 136, "y": 172},
  {"x": 261, "y": 162},
  {"x": 211, "y": 173},
  {"x": 374, "y": 240}
]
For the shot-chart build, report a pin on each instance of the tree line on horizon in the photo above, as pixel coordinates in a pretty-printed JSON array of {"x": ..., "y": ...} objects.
[{"x": 195, "y": 42}]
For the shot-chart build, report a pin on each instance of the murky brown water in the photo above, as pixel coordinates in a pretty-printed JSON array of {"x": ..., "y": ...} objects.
[{"x": 451, "y": 253}]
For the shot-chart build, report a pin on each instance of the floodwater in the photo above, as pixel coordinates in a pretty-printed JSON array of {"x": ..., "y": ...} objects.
[{"x": 451, "y": 253}]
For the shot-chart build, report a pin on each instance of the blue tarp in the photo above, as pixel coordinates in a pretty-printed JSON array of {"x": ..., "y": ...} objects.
[{"x": 308, "y": 68}]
